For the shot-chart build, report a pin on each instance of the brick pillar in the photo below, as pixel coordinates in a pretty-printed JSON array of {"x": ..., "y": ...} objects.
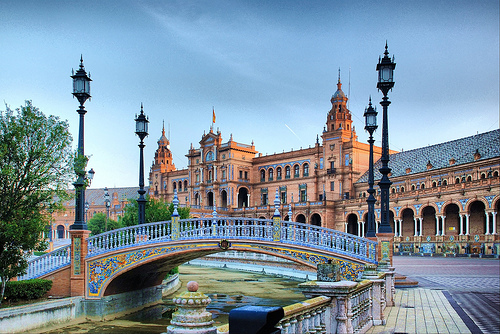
[{"x": 78, "y": 254}]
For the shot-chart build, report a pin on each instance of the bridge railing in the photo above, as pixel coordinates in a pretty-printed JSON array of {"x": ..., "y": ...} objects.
[
  {"x": 235, "y": 228},
  {"x": 46, "y": 263}
]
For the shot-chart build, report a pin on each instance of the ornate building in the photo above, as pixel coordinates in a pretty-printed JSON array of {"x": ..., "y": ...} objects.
[{"x": 444, "y": 198}]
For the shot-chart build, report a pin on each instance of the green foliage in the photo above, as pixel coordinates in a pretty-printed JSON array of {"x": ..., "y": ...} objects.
[
  {"x": 156, "y": 211},
  {"x": 26, "y": 290},
  {"x": 97, "y": 224},
  {"x": 36, "y": 163}
]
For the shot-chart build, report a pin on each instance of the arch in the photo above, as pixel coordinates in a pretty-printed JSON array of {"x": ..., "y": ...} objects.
[
  {"x": 180, "y": 185},
  {"x": 270, "y": 174},
  {"x": 408, "y": 222},
  {"x": 445, "y": 182},
  {"x": 242, "y": 197},
  {"x": 352, "y": 224},
  {"x": 185, "y": 185},
  {"x": 429, "y": 220},
  {"x": 287, "y": 172},
  {"x": 300, "y": 218},
  {"x": 210, "y": 198},
  {"x": 174, "y": 185},
  {"x": 278, "y": 173},
  {"x": 477, "y": 218},
  {"x": 452, "y": 220},
  {"x": 315, "y": 219},
  {"x": 60, "y": 232},
  {"x": 196, "y": 199},
  {"x": 296, "y": 170},
  {"x": 305, "y": 169},
  {"x": 223, "y": 198}
]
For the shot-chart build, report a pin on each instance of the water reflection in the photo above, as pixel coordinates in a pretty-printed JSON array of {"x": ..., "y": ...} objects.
[{"x": 227, "y": 289}]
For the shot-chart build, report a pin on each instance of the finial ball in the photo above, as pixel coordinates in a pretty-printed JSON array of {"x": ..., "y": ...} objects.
[{"x": 192, "y": 286}]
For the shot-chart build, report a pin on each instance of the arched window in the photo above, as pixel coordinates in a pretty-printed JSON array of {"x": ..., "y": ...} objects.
[
  {"x": 495, "y": 174},
  {"x": 278, "y": 173},
  {"x": 306, "y": 170},
  {"x": 296, "y": 172},
  {"x": 402, "y": 189},
  {"x": 393, "y": 190},
  {"x": 287, "y": 172},
  {"x": 271, "y": 174},
  {"x": 262, "y": 175},
  {"x": 185, "y": 185},
  {"x": 412, "y": 187},
  {"x": 174, "y": 185},
  {"x": 469, "y": 178},
  {"x": 457, "y": 180},
  {"x": 445, "y": 183},
  {"x": 434, "y": 184},
  {"x": 422, "y": 186},
  {"x": 180, "y": 185},
  {"x": 483, "y": 175}
]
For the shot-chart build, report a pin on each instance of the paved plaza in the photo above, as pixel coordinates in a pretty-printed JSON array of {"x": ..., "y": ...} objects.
[{"x": 455, "y": 295}]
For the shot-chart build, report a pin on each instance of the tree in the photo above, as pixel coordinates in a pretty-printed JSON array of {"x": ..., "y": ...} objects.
[
  {"x": 156, "y": 211},
  {"x": 36, "y": 163},
  {"x": 97, "y": 223}
]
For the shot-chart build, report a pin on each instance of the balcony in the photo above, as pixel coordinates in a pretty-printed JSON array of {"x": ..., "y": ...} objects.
[{"x": 331, "y": 171}]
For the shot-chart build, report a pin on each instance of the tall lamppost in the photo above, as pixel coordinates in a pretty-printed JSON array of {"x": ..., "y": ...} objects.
[
  {"x": 108, "y": 204},
  {"x": 81, "y": 90},
  {"x": 371, "y": 126},
  {"x": 141, "y": 129},
  {"x": 385, "y": 69}
]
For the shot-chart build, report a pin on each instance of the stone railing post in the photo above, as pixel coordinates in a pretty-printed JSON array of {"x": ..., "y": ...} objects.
[
  {"x": 175, "y": 218},
  {"x": 192, "y": 316},
  {"x": 276, "y": 219},
  {"x": 79, "y": 249},
  {"x": 378, "y": 293}
]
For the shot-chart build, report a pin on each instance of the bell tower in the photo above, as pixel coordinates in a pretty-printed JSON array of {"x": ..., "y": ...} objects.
[
  {"x": 339, "y": 117},
  {"x": 163, "y": 155}
]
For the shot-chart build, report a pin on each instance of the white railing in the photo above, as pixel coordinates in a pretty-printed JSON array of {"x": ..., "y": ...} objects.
[
  {"x": 47, "y": 263},
  {"x": 308, "y": 316},
  {"x": 235, "y": 228}
]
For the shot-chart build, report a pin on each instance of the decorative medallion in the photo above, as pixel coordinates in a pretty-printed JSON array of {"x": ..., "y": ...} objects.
[
  {"x": 476, "y": 238},
  {"x": 224, "y": 244},
  {"x": 452, "y": 238},
  {"x": 428, "y": 238},
  {"x": 407, "y": 238}
]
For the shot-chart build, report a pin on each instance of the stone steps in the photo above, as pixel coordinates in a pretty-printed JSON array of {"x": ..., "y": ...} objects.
[{"x": 401, "y": 281}]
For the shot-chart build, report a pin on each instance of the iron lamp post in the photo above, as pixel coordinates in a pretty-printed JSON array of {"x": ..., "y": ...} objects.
[
  {"x": 385, "y": 69},
  {"x": 108, "y": 204},
  {"x": 141, "y": 129},
  {"x": 371, "y": 126},
  {"x": 81, "y": 90}
]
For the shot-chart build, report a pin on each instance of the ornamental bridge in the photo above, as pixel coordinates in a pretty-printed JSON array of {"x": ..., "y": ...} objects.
[{"x": 139, "y": 257}]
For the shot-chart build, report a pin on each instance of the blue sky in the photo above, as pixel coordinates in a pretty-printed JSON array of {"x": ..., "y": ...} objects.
[{"x": 268, "y": 68}]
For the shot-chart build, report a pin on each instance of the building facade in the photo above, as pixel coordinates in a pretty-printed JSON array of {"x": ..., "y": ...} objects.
[{"x": 444, "y": 198}]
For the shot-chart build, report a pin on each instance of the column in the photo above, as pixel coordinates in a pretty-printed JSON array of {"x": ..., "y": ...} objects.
[
  {"x": 467, "y": 224},
  {"x": 363, "y": 229},
  {"x": 396, "y": 231},
  {"x": 377, "y": 223},
  {"x": 400, "y": 227},
  {"x": 415, "y": 226},
  {"x": 494, "y": 230},
  {"x": 487, "y": 223},
  {"x": 359, "y": 228},
  {"x": 345, "y": 226},
  {"x": 461, "y": 224},
  {"x": 437, "y": 225},
  {"x": 421, "y": 229},
  {"x": 443, "y": 224}
]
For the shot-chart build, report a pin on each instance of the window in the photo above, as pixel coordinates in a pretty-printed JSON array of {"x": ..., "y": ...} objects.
[
  {"x": 209, "y": 156},
  {"x": 445, "y": 183},
  {"x": 241, "y": 174},
  {"x": 180, "y": 186},
  {"x": 185, "y": 185},
  {"x": 434, "y": 184},
  {"x": 402, "y": 189},
  {"x": 296, "y": 171},
  {"x": 271, "y": 174},
  {"x": 262, "y": 175},
  {"x": 306, "y": 170},
  {"x": 422, "y": 186},
  {"x": 287, "y": 172},
  {"x": 303, "y": 195},
  {"x": 278, "y": 173},
  {"x": 175, "y": 185},
  {"x": 246, "y": 175},
  {"x": 264, "y": 199},
  {"x": 332, "y": 186}
]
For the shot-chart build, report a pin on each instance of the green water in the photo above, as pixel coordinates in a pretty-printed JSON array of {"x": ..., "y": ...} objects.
[{"x": 227, "y": 289}]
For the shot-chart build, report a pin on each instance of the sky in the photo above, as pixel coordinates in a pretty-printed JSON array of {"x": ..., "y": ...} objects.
[{"x": 267, "y": 68}]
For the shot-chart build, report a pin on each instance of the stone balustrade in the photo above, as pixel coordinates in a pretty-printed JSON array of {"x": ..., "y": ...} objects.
[
  {"x": 305, "y": 317},
  {"x": 47, "y": 263}
]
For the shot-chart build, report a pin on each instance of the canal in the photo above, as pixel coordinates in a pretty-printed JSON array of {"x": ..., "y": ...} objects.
[{"x": 227, "y": 289}]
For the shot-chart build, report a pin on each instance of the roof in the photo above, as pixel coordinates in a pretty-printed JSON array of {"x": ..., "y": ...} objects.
[
  {"x": 462, "y": 150},
  {"x": 96, "y": 196}
]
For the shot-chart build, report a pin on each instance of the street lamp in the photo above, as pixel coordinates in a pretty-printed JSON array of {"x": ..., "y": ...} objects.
[
  {"x": 81, "y": 90},
  {"x": 141, "y": 129},
  {"x": 385, "y": 68},
  {"x": 108, "y": 204},
  {"x": 371, "y": 126}
]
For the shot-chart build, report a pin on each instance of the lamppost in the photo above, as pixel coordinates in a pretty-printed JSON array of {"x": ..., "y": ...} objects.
[
  {"x": 141, "y": 129},
  {"x": 385, "y": 69},
  {"x": 371, "y": 126},
  {"x": 81, "y": 90},
  {"x": 108, "y": 204}
]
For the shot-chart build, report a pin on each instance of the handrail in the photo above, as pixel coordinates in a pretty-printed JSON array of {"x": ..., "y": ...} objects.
[
  {"x": 236, "y": 228},
  {"x": 46, "y": 263}
]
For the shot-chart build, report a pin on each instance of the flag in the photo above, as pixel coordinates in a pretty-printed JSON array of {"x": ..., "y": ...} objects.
[{"x": 213, "y": 115}]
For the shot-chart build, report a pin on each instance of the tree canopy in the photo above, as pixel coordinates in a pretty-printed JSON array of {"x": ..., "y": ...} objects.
[
  {"x": 156, "y": 211},
  {"x": 36, "y": 164},
  {"x": 97, "y": 224}
]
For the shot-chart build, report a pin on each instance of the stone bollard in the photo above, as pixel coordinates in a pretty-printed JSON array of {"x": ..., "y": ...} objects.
[{"x": 192, "y": 316}]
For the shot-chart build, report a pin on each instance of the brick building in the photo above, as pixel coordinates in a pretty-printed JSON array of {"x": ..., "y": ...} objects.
[{"x": 444, "y": 198}]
